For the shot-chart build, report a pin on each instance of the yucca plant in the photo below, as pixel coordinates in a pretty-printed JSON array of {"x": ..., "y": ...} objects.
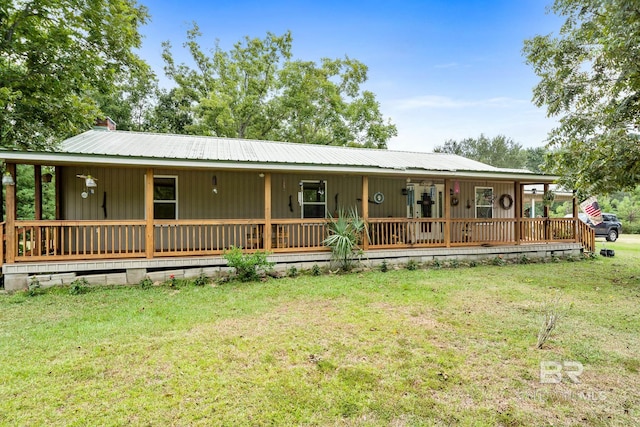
[{"x": 345, "y": 233}]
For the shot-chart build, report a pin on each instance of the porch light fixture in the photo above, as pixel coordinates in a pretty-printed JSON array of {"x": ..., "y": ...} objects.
[
  {"x": 214, "y": 183},
  {"x": 261, "y": 175},
  {"x": 47, "y": 177},
  {"x": 7, "y": 179},
  {"x": 90, "y": 182},
  {"x": 534, "y": 191},
  {"x": 321, "y": 188}
]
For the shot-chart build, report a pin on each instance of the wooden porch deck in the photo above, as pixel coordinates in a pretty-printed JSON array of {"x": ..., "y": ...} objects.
[{"x": 54, "y": 241}]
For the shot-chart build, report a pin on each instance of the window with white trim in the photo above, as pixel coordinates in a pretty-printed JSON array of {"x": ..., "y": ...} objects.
[
  {"x": 313, "y": 199},
  {"x": 165, "y": 197},
  {"x": 484, "y": 202}
]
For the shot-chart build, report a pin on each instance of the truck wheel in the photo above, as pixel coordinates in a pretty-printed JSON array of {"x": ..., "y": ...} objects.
[{"x": 612, "y": 236}]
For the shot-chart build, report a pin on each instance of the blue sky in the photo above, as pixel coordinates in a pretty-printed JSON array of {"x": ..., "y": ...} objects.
[{"x": 440, "y": 69}]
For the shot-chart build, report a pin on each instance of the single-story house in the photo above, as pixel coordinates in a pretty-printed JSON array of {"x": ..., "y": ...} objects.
[{"x": 141, "y": 202}]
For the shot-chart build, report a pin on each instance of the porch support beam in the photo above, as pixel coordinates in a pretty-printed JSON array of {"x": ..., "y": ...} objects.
[
  {"x": 365, "y": 210},
  {"x": 517, "y": 207},
  {"x": 37, "y": 177},
  {"x": 37, "y": 202},
  {"x": 149, "y": 241},
  {"x": 574, "y": 211},
  {"x": 447, "y": 213},
  {"x": 267, "y": 211},
  {"x": 545, "y": 214},
  {"x": 10, "y": 191},
  {"x": 58, "y": 173}
]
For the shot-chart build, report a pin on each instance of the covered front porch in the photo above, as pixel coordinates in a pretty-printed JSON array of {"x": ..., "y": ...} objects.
[
  {"x": 148, "y": 238},
  {"x": 161, "y": 199}
]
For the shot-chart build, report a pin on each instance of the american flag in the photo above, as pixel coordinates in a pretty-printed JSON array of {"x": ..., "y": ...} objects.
[{"x": 592, "y": 209}]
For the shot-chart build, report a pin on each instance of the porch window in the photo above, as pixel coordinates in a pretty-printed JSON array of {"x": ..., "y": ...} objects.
[
  {"x": 484, "y": 202},
  {"x": 313, "y": 199},
  {"x": 165, "y": 197}
]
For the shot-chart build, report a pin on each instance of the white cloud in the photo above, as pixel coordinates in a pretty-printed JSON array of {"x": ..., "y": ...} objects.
[{"x": 441, "y": 102}]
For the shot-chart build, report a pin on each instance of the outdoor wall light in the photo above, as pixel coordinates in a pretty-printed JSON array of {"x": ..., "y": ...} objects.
[
  {"x": 7, "y": 179},
  {"x": 214, "y": 183},
  {"x": 47, "y": 177},
  {"x": 90, "y": 182}
]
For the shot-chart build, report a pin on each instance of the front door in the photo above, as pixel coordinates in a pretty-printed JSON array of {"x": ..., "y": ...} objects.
[{"x": 426, "y": 201}]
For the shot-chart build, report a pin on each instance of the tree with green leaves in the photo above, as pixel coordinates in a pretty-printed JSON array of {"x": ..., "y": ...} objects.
[
  {"x": 498, "y": 151},
  {"x": 129, "y": 100},
  {"x": 590, "y": 80},
  {"x": 257, "y": 91},
  {"x": 55, "y": 55}
]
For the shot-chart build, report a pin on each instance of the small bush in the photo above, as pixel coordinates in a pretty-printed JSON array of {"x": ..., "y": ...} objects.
[
  {"x": 498, "y": 260},
  {"x": 247, "y": 266},
  {"x": 292, "y": 272},
  {"x": 473, "y": 263},
  {"x": 436, "y": 264},
  {"x": 315, "y": 270},
  {"x": 412, "y": 265},
  {"x": 78, "y": 286},
  {"x": 384, "y": 267},
  {"x": 34, "y": 287},
  {"x": 455, "y": 263},
  {"x": 173, "y": 282},
  {"x": 201, "y": 280},
  {"x": 146, "y": 283},
  {"x": 345, "y": 233},
  {"x": 524, "y": 260}
]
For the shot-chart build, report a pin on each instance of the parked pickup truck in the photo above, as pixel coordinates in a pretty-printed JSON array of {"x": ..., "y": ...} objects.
[{"x": 610, "y": 227}]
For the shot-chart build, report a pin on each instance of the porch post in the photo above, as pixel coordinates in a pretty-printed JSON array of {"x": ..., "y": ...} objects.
[
  {"x": 37, "y": 178},
  {"x": 267, "y": 211},
  {"x": 58, "y": 173},
  {"x": 37, "y": 198},
  {"x": 574, "y": 211},
  {"x": 517, "y": 206},
  {"x": 149, "y": 241},
  {"x": 365, "y": 210},
  {"x": 545, "y": 214},
  {"x": 11, "y": 216},
  {"x": 447, "y": 213}
]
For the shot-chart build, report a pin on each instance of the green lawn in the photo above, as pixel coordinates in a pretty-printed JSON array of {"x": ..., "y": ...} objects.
[{"x": 425, "y": 347}]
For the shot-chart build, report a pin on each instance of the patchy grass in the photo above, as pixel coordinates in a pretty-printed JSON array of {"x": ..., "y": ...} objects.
[{"x": 423, "y": 347}]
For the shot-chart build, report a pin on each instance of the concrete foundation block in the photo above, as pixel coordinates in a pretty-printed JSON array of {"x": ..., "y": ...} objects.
[
  {"x": 119, "y": 279},
  {"x": 135, "y": 275},
  {"x": 192, "y": 273},
  {"x": 211, "y": 271},
  {"x": 66, "y": 278},
  {"x": 50, "y": 283},
  {"x": 16, "y": 282},
  {"x": 96, "y": 279}
]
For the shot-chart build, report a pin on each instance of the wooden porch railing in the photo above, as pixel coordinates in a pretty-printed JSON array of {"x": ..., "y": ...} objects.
[
  {"x": 408, "y": 232},
  {"x": 68, "y": 240},
  {"x": 298, "y": 235},
  {"x": 587, "y": 236},
  {"x": 80, "y": 240},
  {"x": 206, "y": 237}
]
